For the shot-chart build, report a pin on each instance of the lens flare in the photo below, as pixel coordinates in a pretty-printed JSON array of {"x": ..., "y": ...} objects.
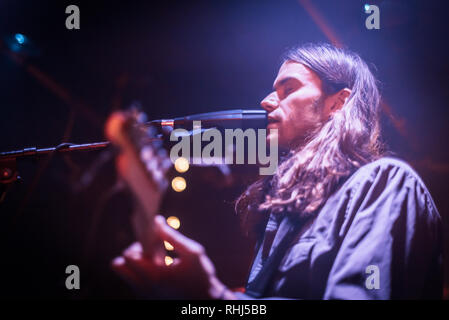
[
  {"x": 178, "y": 184},
  {"x": 168, "y": 260},
  {"x": 173, "y": 222},
  {"x": 168, "y": 246},
  {"x": 181, "y": 164}
]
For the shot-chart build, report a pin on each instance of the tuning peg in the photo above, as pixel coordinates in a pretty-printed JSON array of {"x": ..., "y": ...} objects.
[
  {"x": 151, "y": 131},
  {"x": 166, "y": 164},
  {"x": 162, "y": 153},
  {"x": 146, "y": 153},
  {"x": 152, "y": 164},
  {"x": 157, "y": 143}
]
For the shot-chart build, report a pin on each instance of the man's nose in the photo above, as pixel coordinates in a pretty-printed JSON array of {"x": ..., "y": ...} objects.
[{"x": 270, "y": 103}]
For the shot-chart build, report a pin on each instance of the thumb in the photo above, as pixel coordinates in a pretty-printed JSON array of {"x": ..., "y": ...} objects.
[{"x": 181, "y": 243}]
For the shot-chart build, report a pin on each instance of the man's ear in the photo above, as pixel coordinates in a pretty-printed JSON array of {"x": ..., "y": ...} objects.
[{"x": 336, "y": 101}]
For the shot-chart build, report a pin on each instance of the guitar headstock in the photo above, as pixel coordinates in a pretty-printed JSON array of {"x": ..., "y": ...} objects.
[
  {"x": 143, "y": 163},
  {"x": 129, "y": 131}
]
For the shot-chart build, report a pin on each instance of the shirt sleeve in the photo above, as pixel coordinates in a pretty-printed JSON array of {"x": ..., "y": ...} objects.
[{"x": 390, "y": 246}]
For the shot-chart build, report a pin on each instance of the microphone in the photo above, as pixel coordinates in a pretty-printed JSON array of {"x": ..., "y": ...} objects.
[
  {"x": 227, "y": 119},
  {"x": 223, "y": 153}
]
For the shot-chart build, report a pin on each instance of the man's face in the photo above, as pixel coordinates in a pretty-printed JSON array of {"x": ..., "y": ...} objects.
[{"x": 296, "y": 106}]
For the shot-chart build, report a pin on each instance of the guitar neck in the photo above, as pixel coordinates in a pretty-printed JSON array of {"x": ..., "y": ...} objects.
[{"x": 143, "y": 177}]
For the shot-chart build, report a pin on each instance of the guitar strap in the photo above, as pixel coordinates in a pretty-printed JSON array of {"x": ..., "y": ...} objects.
[{"x": 257, "y": 287}]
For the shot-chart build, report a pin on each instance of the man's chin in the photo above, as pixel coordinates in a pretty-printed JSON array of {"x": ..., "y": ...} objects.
[{"x": 273, "y": 137}]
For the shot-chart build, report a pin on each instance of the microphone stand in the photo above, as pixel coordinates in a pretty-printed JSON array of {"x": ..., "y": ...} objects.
[
  {"x": 233, "y": 119},
  {"x": 8, "y": 160}
]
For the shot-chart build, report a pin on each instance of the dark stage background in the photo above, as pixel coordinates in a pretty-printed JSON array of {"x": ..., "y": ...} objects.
[{"x": 176, "y": 58}]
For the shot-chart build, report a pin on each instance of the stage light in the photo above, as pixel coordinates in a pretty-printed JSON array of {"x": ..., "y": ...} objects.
[
  {"x": 367, "y": 7},
  {"x": 168, "y": 246},
  {"x": 181, "y": 164},
  {"x": 20, "y": 38},
  {"x": 168, "y": 260},
  {"x": 20, "y": 43},
  {"x": 174, "y": 222},
  {"x": 178, "y": 184}
]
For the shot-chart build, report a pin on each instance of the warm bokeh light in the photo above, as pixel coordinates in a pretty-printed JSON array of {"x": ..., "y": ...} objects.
[
  {"x": 173, "y": 222},
  {"x": 168, "y": 246},
  {"x": 181, "y": 164},
  {"x": 178, "y": 184},
  {"x": 168, "y": 260}
]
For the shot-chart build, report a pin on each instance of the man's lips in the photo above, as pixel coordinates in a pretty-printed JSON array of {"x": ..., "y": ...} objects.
[{"x": 272, "y": 121}]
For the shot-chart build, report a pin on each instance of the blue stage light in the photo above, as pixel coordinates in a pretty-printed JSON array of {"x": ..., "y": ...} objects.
[{"x": 20, "y": 38}]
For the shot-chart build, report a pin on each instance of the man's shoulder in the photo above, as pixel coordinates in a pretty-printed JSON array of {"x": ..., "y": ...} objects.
[
  {"x": 388, "y": 163},
  {"x": 387, "y": 166},
  {"x": 394, "y": 176}
]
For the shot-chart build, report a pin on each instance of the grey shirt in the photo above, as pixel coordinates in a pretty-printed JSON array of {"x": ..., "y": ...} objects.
[{"x": 377, "y": 237}]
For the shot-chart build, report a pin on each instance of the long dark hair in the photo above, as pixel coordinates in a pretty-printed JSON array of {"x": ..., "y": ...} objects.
[{"x": 332, "y": 152}]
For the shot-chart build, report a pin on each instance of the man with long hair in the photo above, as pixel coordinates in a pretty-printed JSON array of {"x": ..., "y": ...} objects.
[{"x": 338, "y": 219}]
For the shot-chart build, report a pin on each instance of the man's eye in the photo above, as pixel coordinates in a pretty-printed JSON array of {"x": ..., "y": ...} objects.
[{"x": 288, "y": 91}]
